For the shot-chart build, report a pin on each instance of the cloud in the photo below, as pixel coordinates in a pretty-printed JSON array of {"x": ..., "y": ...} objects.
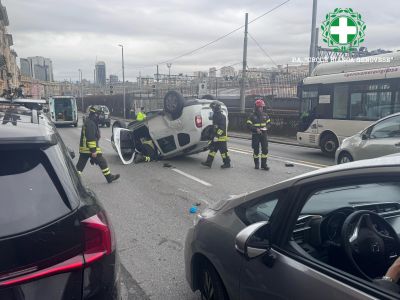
[{"x": 73, "y": 33}]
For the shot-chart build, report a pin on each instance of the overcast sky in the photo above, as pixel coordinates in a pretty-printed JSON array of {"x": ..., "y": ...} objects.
[{"x": 73, "y": 33}]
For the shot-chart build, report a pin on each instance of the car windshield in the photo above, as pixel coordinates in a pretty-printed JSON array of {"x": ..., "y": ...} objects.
[{"x": 328, "y": 200}]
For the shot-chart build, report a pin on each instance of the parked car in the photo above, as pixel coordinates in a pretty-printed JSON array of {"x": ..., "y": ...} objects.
[
  {"x": 63, "y": 110},
  {"x": 56, "y": 241},
  {"x": 323, "y": 235},
  {"x": 104, "y": 119},
  {"x": 183, "y": 127},
  {"x": 379, "y": 139}
]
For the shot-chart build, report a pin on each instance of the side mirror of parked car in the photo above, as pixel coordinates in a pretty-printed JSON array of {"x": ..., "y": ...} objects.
[
  {"x": 253, "y": 241},
  {"x": 364, "y": 136}
]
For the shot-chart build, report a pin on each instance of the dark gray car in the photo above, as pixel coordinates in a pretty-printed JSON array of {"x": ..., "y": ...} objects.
[{"x": 328, "y": 234}]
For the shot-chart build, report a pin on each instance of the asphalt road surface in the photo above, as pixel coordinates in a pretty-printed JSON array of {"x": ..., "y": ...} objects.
[{"x": 149, "y": 205}]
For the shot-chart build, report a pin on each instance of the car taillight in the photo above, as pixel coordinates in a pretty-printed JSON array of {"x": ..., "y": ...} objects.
[
  {"x": 199, "y": 121},
  {"x": 99, "y": 237}
]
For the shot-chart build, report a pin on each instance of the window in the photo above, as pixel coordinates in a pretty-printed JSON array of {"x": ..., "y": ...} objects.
[
  {"x": 340, "y": 101},
  {"x": 357, "y": 109},
  {"x": 30, "y": 198},
  {"x": 260, "y": 209},
  {"x": 167, "y": 144},
  {"x": 386, "y": 129}
]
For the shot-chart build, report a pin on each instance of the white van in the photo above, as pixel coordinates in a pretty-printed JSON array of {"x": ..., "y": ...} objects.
[{"x": 63, "y": 110}]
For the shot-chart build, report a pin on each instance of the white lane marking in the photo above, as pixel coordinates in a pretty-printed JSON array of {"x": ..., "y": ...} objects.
[
  {"x": 280, "y": 159},
  {"x": 192, "y": 177}
]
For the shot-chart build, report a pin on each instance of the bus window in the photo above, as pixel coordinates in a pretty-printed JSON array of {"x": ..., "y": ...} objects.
[
  {"x": 340, "y": 101},
  {"x": 372, "y": 105},
  {"x": 385, "y": 104},
  {"x": 357, "y": 109}
]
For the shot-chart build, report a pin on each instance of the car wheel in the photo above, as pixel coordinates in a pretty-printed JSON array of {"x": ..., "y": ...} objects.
[
  {"x": 329, "y": 144},
  {"x": 345, "y": 157},
  {"x": 212, "y": 287},
  {"x": 173, "y": 104}
]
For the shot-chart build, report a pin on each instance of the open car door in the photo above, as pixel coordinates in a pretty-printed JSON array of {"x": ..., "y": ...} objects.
[{"x": 124, "y": 143}]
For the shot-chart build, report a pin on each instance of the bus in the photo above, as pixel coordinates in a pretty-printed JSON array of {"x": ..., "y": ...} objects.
[{"x": 340, "y": 99}]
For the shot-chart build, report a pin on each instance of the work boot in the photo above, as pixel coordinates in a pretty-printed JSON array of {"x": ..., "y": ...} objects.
[
  {"x": 256, "y": 163},
  {"x": 208, "y": 162},
  {"x": 110, "y": 177},
  {"x": 227, "y": 163},
  {"x": 264, "y": 164}
]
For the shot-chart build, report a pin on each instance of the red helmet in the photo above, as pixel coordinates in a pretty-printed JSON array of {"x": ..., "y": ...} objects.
[{"x": 260, "y": 103}]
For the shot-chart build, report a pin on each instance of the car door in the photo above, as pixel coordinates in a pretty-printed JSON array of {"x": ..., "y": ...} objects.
[
  {"x": 123, "y": 142},
  {"x": 286, "y": 270},
  {"x": 382, "y": 139}
]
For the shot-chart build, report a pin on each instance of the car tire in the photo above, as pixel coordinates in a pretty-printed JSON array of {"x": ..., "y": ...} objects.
[
  {"x": 173, "y": 104},
  {"x": 211, "y": 285},
  {"x": 329, "y": 144},
  {"x": 345, "y": 157}
]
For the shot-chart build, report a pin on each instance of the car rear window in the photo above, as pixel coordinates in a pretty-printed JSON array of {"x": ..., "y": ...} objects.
[{"x": 29, "y": 197}]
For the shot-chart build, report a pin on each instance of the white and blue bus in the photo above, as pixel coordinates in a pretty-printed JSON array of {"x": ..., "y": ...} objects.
[{"x": 340, "y": 99}]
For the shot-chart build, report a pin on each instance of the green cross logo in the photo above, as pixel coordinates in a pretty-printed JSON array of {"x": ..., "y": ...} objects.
[{"x": 343, "y": 30}]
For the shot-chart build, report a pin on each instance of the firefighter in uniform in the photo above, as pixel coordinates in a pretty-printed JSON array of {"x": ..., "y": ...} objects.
[
  {"x": 141, "y": 116},
  {"x": 147, "y": 151},
  {"x": 257, "y": 123},
  {"x": 220, "y": 138},
  {"x": 89, "y": 146}
]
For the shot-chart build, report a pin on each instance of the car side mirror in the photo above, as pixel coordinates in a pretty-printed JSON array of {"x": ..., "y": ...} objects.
[
  {"x": 253, "y": 241},
  {"x": 364, "y": 136},
  {"x": 71, "y": 153}
]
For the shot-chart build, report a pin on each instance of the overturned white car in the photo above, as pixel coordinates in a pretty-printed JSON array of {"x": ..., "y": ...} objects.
[{"x": 183, "y": 127}]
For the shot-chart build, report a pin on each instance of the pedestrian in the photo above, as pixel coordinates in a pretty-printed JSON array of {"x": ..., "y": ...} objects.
[
  {"x": 141, "y": 116},
  {"x": 132, "y": 113},
  {"x": 219, "y": 138},
  {"x": 89, "y": 146},
  {"x": 147, "y": 151},
  {"x": 257, "y": 123}
]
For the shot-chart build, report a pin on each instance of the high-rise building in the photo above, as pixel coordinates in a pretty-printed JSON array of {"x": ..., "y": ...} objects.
[
  {"x": 113, "y": 78},
  {"x": 101, "y": 73},
  {"x": 37, "y": 67},
  {"x": 26, "y": 69},
  {"x": 228, "y": 72}
]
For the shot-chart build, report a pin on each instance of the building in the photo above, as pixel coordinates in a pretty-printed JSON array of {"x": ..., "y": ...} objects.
[
  {"x": 228, "y": 72},
  {"x": 200, "y": 74},
  {"x": 113, "y": 79},
  {"x": 212, "y": 72},
  {"x": 101, "y": 73},
  {"x": 37, "y": 67}
]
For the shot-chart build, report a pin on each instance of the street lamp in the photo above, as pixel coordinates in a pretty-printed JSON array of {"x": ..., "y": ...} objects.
[
  {"x": 123, "y": 77},
  {"x": 80, "y": 79},
  {"x": 169, "y": 73}
]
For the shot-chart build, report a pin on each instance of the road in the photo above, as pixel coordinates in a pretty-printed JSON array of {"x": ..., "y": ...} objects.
[{"x": 149, "y": 205}]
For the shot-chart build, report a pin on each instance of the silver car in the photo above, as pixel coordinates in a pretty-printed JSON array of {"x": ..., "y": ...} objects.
[
  {"x": 329, "y": 234},
  {"x": 379, "y": 139}
]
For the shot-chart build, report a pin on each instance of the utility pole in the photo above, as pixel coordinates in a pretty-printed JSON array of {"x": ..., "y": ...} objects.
[
  {"x": 80, "y": 78},
  {"x": 123, "y": 78},
  {"x": 169, "y": 74},
  {"x": 313, "y": 37},
  {"x": 243, "y": 83}
]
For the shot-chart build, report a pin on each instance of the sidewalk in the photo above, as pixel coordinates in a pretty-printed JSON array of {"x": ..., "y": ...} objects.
[{"x": 271, "y": 138}]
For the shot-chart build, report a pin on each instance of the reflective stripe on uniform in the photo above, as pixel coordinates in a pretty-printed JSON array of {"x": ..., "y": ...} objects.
[
  {"x": 106, "y": 171},
  {"x": 92, "y": 144},
  {"x": 87, "y": 150},
  {"x": 269, "y": 121},
  {"x": 147, "y": 158},
  {"x": 256, "y": 156},
  {"x": 220, "y": 131},
  {"x": 249, "y": 122},
  {"x": 224, "y": 155},
  {"x": 212, "y": 153},
  {"x": 264, "y": 155},
  {"x": 260, "y": 124},
  {"x": 222, "y": 139}
]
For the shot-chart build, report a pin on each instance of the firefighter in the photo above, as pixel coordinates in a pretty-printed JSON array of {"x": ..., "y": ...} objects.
[
  {"x": 257, "y": 123},
  {"x": 147, "y": 151},
  {"x": 220, "y": 138},
  {"x": 89, "y": 146},
  {"x": 141, "y": 116}
]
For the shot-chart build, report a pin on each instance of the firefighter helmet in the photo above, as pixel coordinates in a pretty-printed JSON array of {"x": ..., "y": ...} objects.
[
  {"x": 215, "y": 106},
  {"x": 259, "y": 103},
  {"x": 94, "y": 109}
]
